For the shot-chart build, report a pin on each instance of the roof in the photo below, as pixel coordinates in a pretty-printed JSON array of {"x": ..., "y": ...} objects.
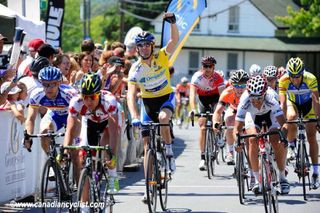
[
  {"x": 272, "y": 8},
  {"x": 259, "y": 44}
]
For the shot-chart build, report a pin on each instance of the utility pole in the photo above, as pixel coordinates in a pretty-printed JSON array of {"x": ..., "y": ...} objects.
[
  {"x": 84, "y": 14},
  {"x": 121, "y": 22},
  {"x": 89, "y": 16}
]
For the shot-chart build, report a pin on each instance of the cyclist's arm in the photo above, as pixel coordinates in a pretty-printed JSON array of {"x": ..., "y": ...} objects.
[
  {"x": 178, "y": 98},
  {"x": 174, "y": 38},
  {"x": 113, "y": 131},
  {"x": 283, "y": 103},
  {"x": 216, "y": 118},
  {"x": 193, "y": 97},
  {"x": 315, "y": 102},
  {"x": 238, "y": 126},
  {"x": 221, "y": 88},
  {"x": 32, "y": 114},
  {"x": 73, "y": 124},
  {"x": 132, "y": 90}
]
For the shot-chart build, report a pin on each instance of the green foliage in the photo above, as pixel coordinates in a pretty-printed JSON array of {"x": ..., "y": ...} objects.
[
  {"x": 304, "y": 22},
  {"x": 106, "y": 25},
  {"x": 4, "y": 2}
]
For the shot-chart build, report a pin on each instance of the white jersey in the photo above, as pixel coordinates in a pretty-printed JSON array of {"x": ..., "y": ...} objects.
[{"x": 270, "y": 104}]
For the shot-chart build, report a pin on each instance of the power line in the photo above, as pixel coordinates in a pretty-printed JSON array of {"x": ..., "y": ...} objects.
[
  {"x": 136, "y": 16},
  {"x": 144, "y": 9},
  {"x": 144, "y": 3},
  {"x": 222, "y": 11}
]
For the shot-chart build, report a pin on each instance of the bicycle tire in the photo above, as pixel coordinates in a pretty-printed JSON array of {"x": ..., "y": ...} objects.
[
  {"x": 164, "y": 179},
  {"x": 265, "y": 183},
  {"x": 50, "y": 186},
  {"x": 151, "y": 181},
  {"x": 303, "y": 168},
  {"x": 208, "y": 152},
  {"x": 85, "y": 176},
  {"x": 107, "y": 198},
  {"x": 240, "y": 176},
  {"x": 274, "y": 193},
  {"x": 214, "y": 154}
]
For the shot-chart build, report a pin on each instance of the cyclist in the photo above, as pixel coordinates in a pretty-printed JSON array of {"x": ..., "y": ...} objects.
[
  {"x": 151, "y": 75},
  {"x": 257, "y": 104},
  {"x": 208, "y": 85},
  {"x": 297, "y": 78},
  {"x": 96, "y": 109},
  {"x": 230, "y": 98},
  {"x": 271, "y": 74},
  {"x": 56, "y": 98},
  {"x": 182, "y": 93},
  {"x": 254, "y": 70}
]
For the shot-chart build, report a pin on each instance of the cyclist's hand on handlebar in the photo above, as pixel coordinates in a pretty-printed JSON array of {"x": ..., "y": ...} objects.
[
  {"x": 192, "y": 113},
  {"x": 216, "y": 127},
  {"x": 136, "y": 122},
  {"x": 27, "y": 143}
]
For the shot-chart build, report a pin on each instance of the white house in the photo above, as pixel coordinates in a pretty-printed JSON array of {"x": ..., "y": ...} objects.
[{"x": 239, "y": 33}]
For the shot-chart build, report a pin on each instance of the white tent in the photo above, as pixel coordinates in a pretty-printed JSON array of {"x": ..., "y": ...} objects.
[{"x": 9, "y": 19}]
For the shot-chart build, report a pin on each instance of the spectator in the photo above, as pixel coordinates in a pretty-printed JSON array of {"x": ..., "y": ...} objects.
[
  {"x": 48, "y": 51},
  {"x": 12, "y": 102},
  {"x": 33, "y": 48},
  {"x": 116, "y": 44},
  {"x": 86, "y": 61},
  {"x": 63, "y": 63},
  {"x": 74, "y": 67},
  {"x": 2, "y": 40},
  {"x": 87, "y": 45}
]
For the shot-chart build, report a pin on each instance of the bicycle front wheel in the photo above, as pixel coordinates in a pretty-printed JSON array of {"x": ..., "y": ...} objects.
[
  {"x": 164, "y": 180},
  {"x": 50, "y": 185},
  {"x": 86, "y": 190},
  {"x": 240, "y": 176},
  {"x": 266, "y": 185},
  {"x": 151, "y": 181},
  {"x": 303, "y": 168}
]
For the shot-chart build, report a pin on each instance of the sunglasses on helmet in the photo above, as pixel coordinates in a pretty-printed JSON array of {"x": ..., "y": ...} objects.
[{"x": 92, "y": 97}]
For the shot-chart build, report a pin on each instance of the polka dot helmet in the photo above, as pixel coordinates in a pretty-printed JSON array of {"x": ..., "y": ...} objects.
[
  {"x": 257, "y": 85},
  {"x": 270, "y": 71}
]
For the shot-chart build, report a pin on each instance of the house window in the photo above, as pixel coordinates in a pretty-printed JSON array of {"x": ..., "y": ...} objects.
[
  {"x": 193, "y": 62},
  {"x": 234, "y": 19},
  {"x": 232, "y": 61}
]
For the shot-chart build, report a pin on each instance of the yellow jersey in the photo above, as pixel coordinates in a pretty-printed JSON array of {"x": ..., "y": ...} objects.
[
  {"x": 153, "y": 81},
  {"x": 298, "y": 95}
]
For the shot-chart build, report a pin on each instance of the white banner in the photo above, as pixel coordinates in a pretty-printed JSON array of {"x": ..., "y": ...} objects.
[{"x": 20, "y": 170}]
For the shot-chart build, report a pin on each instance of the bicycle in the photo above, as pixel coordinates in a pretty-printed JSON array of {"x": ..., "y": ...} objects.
[
  {"x": 56, "y": 184},
  {"x": 158, "y": 173},
  {"x": 269, "y": 175},
  {"x": 242, "y": 169},
  {"x": 95, "y": 174},
  {"x": 302, "y": 165},
  {"x": 211, "y": 147}
]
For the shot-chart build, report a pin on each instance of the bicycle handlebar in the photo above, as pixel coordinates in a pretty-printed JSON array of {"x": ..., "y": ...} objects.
[
  {"x": 88, "y": 148},
  {"x": 263, "y": 134},
  {"x": 299, "y": 121},
  {"x": 43, "y": 135}
]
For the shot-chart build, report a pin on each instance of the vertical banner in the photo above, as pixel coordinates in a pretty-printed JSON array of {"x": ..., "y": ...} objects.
[
  {"x": 54, "y": 22},
  {"x": 188, "y": 15}
]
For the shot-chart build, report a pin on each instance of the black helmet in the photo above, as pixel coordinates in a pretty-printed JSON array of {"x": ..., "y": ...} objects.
[
  {"x": 37, "y": 64},
  {"x": 90, "y": 84}
]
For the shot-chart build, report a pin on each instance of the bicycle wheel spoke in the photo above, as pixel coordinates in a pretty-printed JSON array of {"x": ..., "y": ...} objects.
[{"x": 151, "y": 181}]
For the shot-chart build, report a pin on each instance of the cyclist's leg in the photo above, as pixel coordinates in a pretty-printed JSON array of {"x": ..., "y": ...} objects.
[
  {"x": 253, "y": 151},
  {"x": 292, "y": 114},
  {"x": 229, "y": 120},
  {"x": 311, "y": 131},
  {"x": 50, "y": 122}
]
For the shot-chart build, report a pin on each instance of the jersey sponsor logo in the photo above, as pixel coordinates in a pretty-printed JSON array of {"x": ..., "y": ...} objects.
[
  {"x": 158, "y": 88},
  {"x": 152, "y": 78}
]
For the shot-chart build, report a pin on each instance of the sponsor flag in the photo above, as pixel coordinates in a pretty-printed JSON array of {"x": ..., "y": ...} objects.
[
  {"x": 187, "y": 15},
  {"x": 54, "y": 22}
]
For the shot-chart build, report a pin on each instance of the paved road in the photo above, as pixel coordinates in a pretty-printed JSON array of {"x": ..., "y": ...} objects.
[{"x": 192, "y": 191}]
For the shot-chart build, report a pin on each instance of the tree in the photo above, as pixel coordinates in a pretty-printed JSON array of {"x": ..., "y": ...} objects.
[{"x": 304, "y": 22}]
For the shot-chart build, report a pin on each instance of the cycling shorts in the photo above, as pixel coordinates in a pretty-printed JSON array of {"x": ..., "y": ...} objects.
[
  {"x": 151, "y": 107},
  {"x": 268, "y": 117},
  {"x": 306, "y": 109},
  {"x": 58, "y": 121},
  {"x": 90, "y": 132},
  {"x": 208, "y": 103}
]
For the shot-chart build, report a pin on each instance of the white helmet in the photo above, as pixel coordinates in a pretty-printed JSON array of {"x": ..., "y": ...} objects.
[
  {"x": 254, "y": 70},
  {"x": 184, "y": 80},
  {"x": 270, "y": 71}
]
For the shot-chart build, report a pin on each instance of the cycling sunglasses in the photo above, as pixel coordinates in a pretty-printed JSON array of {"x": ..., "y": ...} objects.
[
  {"x": 144, "y": 44},
  {"x": 295, "y": 76},
  {"x": 49, "y": 85},
  {"x": 207, "y": 66},
  {"x": 92, "y": 97},
  {"x": 239, "y": 86},
  {"x": 256, "y": 97}
]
